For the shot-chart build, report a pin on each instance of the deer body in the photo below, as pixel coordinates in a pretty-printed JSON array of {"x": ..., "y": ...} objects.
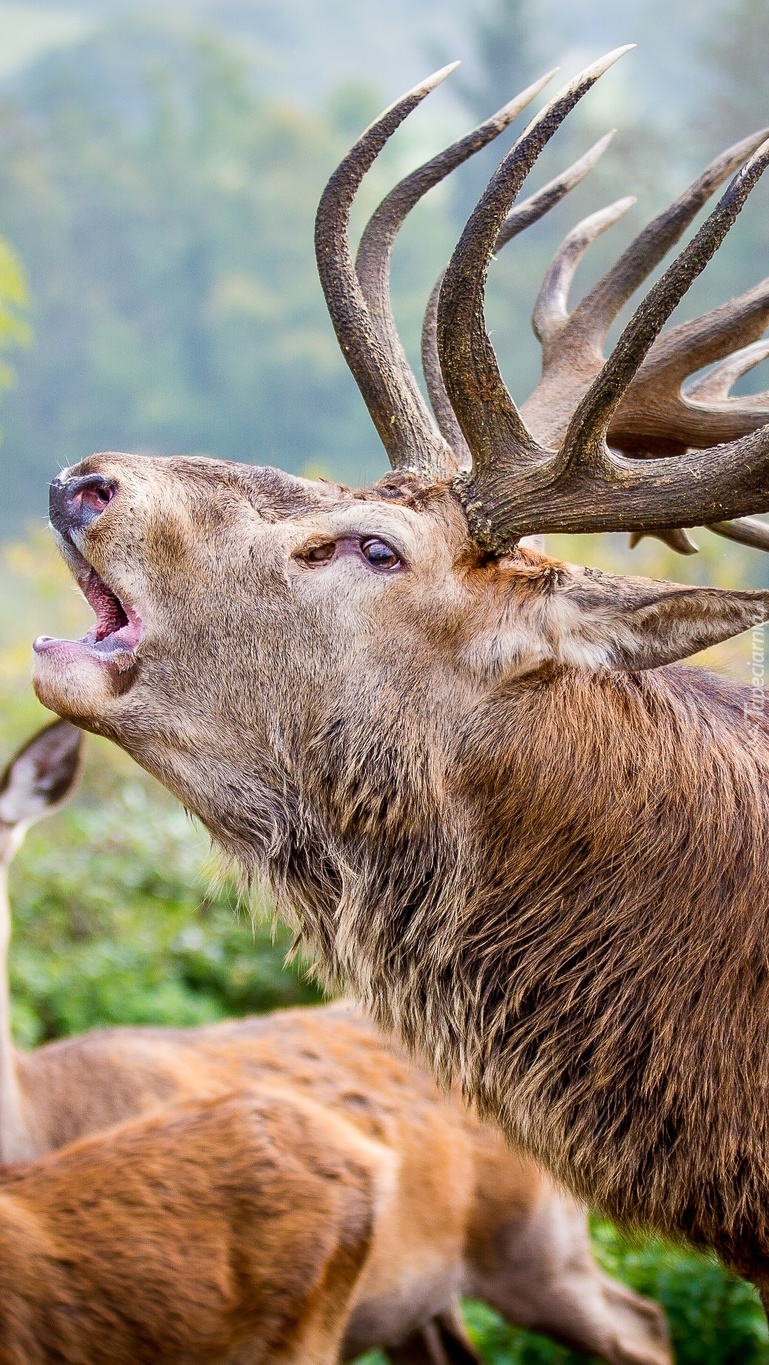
[
  {"x": 474, "y": 781},
  {"x": 452, "y": 1209},
  {"x": 230, "y": 1230},
  {"x": 455, "y": 1211}
]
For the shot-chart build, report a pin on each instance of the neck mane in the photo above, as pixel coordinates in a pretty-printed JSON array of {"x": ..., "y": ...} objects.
[{"x": 581, "y": 941}]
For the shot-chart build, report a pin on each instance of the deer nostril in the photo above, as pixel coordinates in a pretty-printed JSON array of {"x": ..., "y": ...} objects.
[
  {"x": 75, "y": 503},
  {"x": 94, "y": 497}
]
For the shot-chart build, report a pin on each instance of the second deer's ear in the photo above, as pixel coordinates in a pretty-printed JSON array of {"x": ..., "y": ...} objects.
[
  {"x": 638, "y": 623},
  {"x": 42, "y": 774}
]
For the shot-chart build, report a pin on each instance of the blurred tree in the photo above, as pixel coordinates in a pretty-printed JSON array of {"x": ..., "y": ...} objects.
[
  {"x": 14, "y": 329},
  {"x": 735, "y": 53},
  {"x": 502, "y": 61},
  {"x": 166, "y": 214}
]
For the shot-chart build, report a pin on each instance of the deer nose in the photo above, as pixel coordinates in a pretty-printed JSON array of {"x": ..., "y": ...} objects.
[{"x": 75, "y": 503}]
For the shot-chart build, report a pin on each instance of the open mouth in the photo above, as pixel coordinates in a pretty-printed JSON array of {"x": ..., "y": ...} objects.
[{"x": 117, "y": 630}]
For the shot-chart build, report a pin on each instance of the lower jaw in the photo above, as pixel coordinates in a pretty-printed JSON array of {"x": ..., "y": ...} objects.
[{"x": 79, "y": 681}]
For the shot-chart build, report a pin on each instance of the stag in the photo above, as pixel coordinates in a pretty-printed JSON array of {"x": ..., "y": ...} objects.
[
  {"x": 480, "y": 785},
  {"x": 457, "y": 1210}
]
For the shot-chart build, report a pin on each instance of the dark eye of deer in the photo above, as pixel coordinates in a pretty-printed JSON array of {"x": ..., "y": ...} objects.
[{"x": 379, "y": 554}]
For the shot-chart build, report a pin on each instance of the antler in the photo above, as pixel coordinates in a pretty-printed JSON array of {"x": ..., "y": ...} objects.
[
  {"x": 389, "y": 391},
  {"x": 656, "y": 416},
  {"x": 713, "y": 389},
  {"x": 517, "y": 485},
  {"x": 578, "y": 339},
  {"x": 358, "y": 296},
  {"x": 518, "y": 219},
  {"x": 372, "y": 264},
  {"x": 554, "y": 468}
]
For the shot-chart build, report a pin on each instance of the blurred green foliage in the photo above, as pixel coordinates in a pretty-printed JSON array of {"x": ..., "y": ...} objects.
[
  {"x": 116, "y": 923},
  {"x": 14, "y": 301}
]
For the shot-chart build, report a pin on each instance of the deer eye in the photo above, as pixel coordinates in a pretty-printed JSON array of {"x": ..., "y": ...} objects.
[{"x": 379, "y": 554}]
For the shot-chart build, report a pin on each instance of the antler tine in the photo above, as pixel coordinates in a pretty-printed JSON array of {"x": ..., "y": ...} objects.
[
  {"x": 530, "y": 210},
  {"x": 584, "y": 487},
  {"x": 431, "y": 369},
  {"x": 522, "y": 216},
  {"x": 598, "y": 309},
  {"x": 747, "y": 530},
  {"x": 713, "y": 388},
  {"x": 676, "y": 539},
  {"x": 717, "y": 383},
  {"x": 585, "y": 439},
  {"x": 655, "y": 416},
  {"x": 375, "y": 250},
  {"x": 404, "y": 426},
  {"x": 486, "y": 412},
  {"x": 572, "y": 344},
  {"x": 551, "y": 308}
]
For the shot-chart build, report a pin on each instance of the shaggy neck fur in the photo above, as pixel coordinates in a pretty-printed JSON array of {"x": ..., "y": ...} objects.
[{"x": 601, "y": 985}]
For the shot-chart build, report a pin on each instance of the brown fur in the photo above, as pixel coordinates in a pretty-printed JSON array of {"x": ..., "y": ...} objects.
[
  {"x": 461, "y": 1212},
  {"x": 453, "y": 1208},
  {"x": 456, "y": 1211},
  {"x": 547, "y": 870},
  {"x": 230, "y": 1230}
]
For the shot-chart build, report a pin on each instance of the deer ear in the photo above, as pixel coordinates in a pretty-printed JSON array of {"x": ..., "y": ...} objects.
[
  {"x": 637, "y": 623},
  {"x": 42, "y": 774}
]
